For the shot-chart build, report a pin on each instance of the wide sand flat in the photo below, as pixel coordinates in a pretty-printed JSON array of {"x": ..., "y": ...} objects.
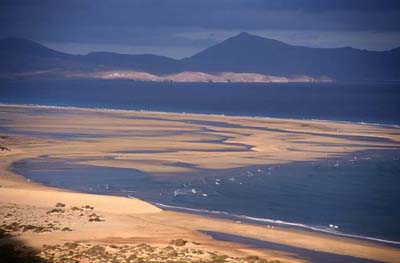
[{"x": 154, "y": 142}]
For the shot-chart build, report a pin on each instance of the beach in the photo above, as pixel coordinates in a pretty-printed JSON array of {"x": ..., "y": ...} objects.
[{"x": 164, "y": 145}]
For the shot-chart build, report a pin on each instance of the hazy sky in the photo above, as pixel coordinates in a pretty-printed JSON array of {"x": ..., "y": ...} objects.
[{"x": 179, "y": 28}]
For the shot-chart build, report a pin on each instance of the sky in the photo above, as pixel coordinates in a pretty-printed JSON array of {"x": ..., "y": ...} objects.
[{"x": 180, "y": 28}]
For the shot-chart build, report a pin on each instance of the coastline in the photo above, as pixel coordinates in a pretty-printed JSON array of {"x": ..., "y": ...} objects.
[
  {"x": 186, "y": 226},
  {"x": 388, "y": 125},
  {"x": 276, "y": 222},
  {"x": 268, "y": 222}
]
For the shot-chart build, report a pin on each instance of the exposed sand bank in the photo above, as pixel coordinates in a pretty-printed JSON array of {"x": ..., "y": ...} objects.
[{"x": 161, "y": 140}]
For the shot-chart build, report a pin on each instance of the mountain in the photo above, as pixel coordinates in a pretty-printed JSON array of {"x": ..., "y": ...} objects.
[
  {"x": 21, "y": 55},
  {"x": 241, "y": 54},
  {"x": 249, "y": 53}
]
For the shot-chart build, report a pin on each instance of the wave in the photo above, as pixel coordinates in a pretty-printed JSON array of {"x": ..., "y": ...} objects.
[
  {"x": 276, "y": 222},
  {"x": 384, "y": 125},
  {"x": 387, "y": 125}
]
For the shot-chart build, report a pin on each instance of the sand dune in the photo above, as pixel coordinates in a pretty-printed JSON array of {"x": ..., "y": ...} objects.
[{"x": 189, "y": 76}]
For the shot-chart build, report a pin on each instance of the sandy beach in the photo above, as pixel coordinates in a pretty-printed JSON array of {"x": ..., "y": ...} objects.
[{"x": 55, "y": 221}]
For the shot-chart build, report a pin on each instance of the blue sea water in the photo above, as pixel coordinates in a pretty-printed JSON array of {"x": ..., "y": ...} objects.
[
  {"x": 356, "y": 102},
  {"x": 357, "y": 193}
]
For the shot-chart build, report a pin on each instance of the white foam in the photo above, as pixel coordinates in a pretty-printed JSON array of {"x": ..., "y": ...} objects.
[{"x": 327, "y": 230}]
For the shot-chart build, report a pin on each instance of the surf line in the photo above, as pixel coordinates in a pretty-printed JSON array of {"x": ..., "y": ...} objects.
[{"x": 273, "y": 221}]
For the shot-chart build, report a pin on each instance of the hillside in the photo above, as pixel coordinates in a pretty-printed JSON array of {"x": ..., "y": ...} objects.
[{"x": 265, "y": 59}]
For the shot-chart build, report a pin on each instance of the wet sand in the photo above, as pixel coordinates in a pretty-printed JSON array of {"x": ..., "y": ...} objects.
[{"x": 155, "y": 143}]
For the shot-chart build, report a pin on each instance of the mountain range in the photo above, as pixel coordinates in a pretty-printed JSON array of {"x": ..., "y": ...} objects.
[{"x": 244, "y": 57}]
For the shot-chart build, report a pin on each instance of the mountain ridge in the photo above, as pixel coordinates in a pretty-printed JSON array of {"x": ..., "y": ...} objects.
[{"x": 243, "y": 53}]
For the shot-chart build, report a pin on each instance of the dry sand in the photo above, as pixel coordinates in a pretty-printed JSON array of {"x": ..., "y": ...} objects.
[{"x": 234, "y": 141}]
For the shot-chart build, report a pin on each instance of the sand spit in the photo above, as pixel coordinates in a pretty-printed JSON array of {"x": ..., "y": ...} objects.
[{"x": 61, "y": 226}]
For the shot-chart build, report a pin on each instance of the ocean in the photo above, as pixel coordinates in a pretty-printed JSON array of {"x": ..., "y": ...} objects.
[
  {"x": 354, "y": 102},
  {"x": 354, "y": 195}
]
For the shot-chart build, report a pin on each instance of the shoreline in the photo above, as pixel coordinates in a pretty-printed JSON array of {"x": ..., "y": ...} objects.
[
  {"x": 385, "y": 125},
  {"x": 275, "y": 222},
  {"x": 246, "y": 218},
  {"x": 161, "y": 218}
]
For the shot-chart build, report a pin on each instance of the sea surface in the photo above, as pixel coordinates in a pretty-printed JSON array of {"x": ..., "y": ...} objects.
[
  {"x": 356, "y": 195},
  {"x": 355, "y": 102}
]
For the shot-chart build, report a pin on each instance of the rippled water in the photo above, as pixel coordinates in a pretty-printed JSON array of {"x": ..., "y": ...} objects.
[{"x": 359, "y": 193}]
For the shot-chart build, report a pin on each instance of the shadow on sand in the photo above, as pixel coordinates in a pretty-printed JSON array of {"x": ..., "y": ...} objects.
[{"x": 13, "y": 250}]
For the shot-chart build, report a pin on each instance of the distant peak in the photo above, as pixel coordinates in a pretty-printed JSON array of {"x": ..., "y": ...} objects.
[
  {"x": 22, "y": 46},
  {"x": 18, "y": 41},
  {"x": 244, "y": 34},
  {"x": 245, "y": 38}
]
